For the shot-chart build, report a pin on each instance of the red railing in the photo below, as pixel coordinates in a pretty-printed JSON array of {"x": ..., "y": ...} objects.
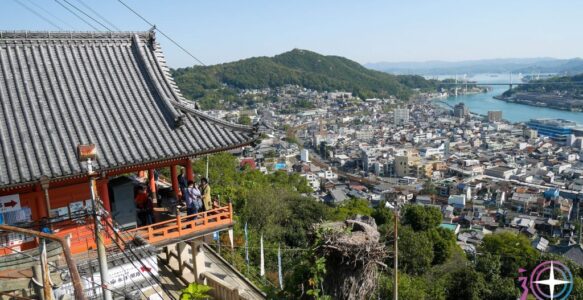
[
  {"x": 185, "y": 225},
  {"x": 82, "y": 236}
]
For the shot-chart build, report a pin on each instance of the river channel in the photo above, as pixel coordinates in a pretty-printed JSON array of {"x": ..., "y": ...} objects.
[{"x": 484, "y": 102}]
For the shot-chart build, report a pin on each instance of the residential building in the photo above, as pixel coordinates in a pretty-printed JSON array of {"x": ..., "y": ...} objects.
[
  {"x": 522, "y": 202},
  {"x": 305, "y": 155},
  {"x": 458, "y": 201},
  {"x": 407, "y": 164},
  {"x": 460, "y": 110},
  {"x": 500, "y": 172},
  {"x": 494, "y": 116},
  {"x": 401, "y": 116},
  {"x": 530, "y": 133}
]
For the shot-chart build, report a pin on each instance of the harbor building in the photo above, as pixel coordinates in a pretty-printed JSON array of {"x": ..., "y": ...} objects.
[{"x": 557, "y": 129}]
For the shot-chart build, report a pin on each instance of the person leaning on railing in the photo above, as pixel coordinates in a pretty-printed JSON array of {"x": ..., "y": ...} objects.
[{"x": 193, "y": 202}]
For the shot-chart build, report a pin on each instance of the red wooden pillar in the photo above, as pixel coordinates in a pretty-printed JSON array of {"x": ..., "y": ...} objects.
[
  {"x": 174, "y": 175},
  {"x": 104, "y": 194},
  {"x": 41, "y": 209},
  {"x": 152, "y": 182},
  {"x": 189, "y": 173}
]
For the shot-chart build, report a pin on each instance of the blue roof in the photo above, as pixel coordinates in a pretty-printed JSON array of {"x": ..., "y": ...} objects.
[{"x": 551, "y": 193}]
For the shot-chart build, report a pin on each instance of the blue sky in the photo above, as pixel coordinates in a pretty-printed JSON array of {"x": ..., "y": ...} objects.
[{"x": 366, "y": 31}]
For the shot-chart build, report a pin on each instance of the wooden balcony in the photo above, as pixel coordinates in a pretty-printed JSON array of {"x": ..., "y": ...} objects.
[
  {"x": 185, "y": 227},
  {"x": 158, "y": 234}
]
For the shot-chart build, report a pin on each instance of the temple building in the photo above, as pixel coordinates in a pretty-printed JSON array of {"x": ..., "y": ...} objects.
[{"x": 62, "y": 91}]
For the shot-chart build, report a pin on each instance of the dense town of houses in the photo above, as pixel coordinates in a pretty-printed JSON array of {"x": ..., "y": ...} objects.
[{"x": 484, "y": 173}]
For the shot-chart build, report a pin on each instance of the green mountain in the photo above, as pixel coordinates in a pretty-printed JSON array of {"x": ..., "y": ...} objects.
[
  {"x": 573, "y": 85},
  {"x": 299, "y": 67}
]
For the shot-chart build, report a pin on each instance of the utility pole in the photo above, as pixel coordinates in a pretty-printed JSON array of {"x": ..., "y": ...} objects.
[
  {"x": 101, "y": 254},
  {"x": 47, "y": 287},
  {"x": 396, "y": 257},
  {"x": 207, "y": 167},
  {"x": 88, "y": 153},
  {"x": 579, "y": 218}
]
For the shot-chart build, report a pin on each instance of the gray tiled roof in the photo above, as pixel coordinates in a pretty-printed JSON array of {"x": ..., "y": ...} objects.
[{"x": 59, "y": 90}]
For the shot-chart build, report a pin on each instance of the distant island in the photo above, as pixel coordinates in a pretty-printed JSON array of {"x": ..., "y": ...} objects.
[
  {"x": 509, "y": 65},
  {"x": 209, "y": 84},
  {"x": 561, "y": 92}
]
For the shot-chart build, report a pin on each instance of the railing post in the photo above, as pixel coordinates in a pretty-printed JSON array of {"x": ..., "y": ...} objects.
[
  {"x": 179, "y": 222},
  {"x": 230, "y": 211}
]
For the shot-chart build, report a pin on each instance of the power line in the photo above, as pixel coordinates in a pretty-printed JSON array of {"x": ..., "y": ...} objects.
[
  {"x": 51, "y": 14},
  {"x": 115, "y": 238},
  {"x": 76, "y": 15},
  {"x": 58, "y": 269},
  {"x": 99, "y": 15},
  {"x": 162, "y": 33},
  {"x": 86, "y": 14},
  {"x": 38, "y": 14}
]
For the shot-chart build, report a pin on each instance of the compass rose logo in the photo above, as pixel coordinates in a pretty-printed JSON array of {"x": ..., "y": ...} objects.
[{"x": 549, "y": 280}]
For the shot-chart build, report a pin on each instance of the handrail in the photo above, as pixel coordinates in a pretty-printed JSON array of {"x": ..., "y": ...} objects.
[
  {"x": 83, "y": 238},
  {"x": 75, "y": 277},
  {"x": 184, "y": 225}
]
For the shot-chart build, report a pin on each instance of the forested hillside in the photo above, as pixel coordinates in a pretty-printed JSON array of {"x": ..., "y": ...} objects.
[
  {"x": 563, "y": 84},
  {"x": 298, "y": 67}
]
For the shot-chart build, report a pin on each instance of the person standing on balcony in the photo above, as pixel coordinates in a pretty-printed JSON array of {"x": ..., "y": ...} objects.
[
  {"x": 141, "y": 200},
  {"x": 193, "y": 202},
  {"x": 205, "y": 190},
  {"x": 182, "y": 184}
]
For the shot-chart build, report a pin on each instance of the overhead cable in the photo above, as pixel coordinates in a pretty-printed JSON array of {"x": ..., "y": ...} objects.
[
  {"x": 104, "y": 19},
  {"x": 54, "y": 17},
  {"x": 78, "y": 16},
  {"x": 162, "y": 33},
  {"x": 87, "y": 15},
  {"x": 38, "y": 14}
]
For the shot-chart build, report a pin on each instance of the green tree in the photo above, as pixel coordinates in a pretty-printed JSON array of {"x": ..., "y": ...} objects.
[
  {"x": 410, "y": 287},
  {"x": 415, "y": 251},
  {"x": 382, "y": 214},
  {"x": 195, "y": 291},
  {"x": 577, "y": 292},
  {"x": 501, "y": 289},
  {"x": 351, "y": 208},
  {"x": 515, "y": 252},
  {"x": 443, "y": 243},
  {"x": 421, "y": 217},
  {"x": 466, "y": 284},
  {"x": 245, "y": 120},
  {"x": 489, "y": 265}
]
